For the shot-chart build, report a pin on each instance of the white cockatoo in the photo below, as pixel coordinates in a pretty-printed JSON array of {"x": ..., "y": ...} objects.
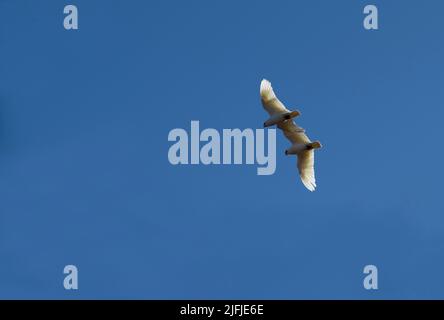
[{"x": 301, "y": 144}]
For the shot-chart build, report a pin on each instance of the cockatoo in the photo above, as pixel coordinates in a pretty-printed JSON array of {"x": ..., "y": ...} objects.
[{"x": 301, "y": 144}]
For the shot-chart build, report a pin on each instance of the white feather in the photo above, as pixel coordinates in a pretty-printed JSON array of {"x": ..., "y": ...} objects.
[{"x": 269, "y": 100}]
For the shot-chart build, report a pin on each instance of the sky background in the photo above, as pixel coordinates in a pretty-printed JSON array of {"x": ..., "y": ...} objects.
[{"x": 84, "y": 171}]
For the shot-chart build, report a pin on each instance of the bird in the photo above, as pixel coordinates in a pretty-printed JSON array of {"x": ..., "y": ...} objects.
[{"x": 301, "y": 146}]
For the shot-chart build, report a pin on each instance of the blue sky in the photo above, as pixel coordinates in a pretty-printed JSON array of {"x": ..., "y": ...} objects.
[{"x": 84, "y": 171}]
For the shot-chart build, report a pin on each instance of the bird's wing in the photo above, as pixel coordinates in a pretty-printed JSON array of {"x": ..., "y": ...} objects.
[
  {"x": 293, "y": 132},
  {"x": 306, "y": 169},
  {"x": 269, "y": 100}
]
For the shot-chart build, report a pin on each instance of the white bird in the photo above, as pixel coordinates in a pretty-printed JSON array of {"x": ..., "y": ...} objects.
[
  {"x": 301, "y": 144},
  {"x": 278, "y": 112}
]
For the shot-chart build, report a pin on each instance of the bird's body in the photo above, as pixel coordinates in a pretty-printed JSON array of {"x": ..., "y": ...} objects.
[{"x": 302, "y": 146}]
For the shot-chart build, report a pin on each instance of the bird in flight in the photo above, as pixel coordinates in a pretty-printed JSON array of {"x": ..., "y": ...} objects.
[{"x": 301, "y": 146}]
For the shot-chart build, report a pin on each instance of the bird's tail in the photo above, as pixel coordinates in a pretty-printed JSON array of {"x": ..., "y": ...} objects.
[{"x": 314, "y": 145}]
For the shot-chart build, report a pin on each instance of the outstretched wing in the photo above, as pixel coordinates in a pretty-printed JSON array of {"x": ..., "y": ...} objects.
[
  {"x": 269, "y": 100},
  {"x": 297, "y": 135},
  {"x": 293, "y": 132},
  {"x": 306, "y": 169}
]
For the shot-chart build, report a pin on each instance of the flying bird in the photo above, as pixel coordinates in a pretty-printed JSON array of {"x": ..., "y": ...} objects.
[{"x": 302, "y": 146}]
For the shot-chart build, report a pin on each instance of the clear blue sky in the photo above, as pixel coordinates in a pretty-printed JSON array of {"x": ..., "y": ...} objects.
[{"x": 85, "y": 177}]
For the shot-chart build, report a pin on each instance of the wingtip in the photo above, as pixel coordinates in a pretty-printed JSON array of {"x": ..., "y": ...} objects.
[
  {"x": 265, "y": 87},
  {"x": 265, "y": 82},
  {"x": 309, "y": 184}
]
